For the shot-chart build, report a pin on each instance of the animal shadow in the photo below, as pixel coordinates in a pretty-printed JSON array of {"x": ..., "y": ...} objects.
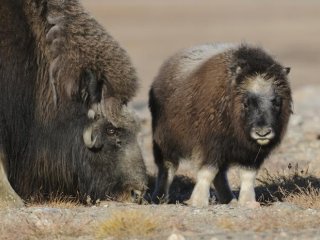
[
  {"x": 274, "y": 188},
  {"x": 179, "y": 192},
  {"x": 270, "y": 188}
]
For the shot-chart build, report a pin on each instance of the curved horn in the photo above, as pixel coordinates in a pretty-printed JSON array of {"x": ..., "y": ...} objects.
[
  {"x": 91, "y": 114},
  {"x": 87, "y": 137}
]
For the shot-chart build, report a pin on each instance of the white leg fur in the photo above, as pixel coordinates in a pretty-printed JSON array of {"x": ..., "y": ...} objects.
[
  {"x": 200, "y": 194},
  {"x": 247, "y": 196},
  {"x": 171, "y": 172}
]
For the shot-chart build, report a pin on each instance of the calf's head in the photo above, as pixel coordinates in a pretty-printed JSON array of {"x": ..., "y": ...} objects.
[{"x": 263, "y": 106}]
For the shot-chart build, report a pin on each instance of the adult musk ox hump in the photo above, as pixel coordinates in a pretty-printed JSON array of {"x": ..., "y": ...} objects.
[
  {"x": 64, "y": 125},
  {"x": 220, "y": 105}
]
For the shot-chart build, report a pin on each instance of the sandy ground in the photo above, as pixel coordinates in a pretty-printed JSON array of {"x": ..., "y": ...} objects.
[{"x": 151, "y": 31}]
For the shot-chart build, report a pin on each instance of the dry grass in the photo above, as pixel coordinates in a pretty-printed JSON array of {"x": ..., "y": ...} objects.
[
  {"x": 129, "y": 224},
  {"x": 306, "y": 197},
  {"x": 292, "y": 185},
  {"x": 54, "y": 201},
  {"x": 262, "y": 221}
]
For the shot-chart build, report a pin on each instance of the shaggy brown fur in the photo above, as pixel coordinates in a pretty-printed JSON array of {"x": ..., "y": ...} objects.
[
  {"x": 198, "y": 106},
  {"x": 64, "y": 84},
  {"x": 72, "y": 41}
]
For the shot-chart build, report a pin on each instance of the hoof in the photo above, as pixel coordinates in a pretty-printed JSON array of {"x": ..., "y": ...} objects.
[
  {"x": 233, "y": 203},
  {"x": 198, "y": 202}
]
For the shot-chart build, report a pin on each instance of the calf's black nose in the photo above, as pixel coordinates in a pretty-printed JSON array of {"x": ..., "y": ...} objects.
[{"x": 263, "y": 132}]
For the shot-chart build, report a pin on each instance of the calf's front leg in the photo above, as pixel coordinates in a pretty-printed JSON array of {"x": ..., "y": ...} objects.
[
  {"x": 247, "y": 196},
  {"x": 201, "y": 192}
]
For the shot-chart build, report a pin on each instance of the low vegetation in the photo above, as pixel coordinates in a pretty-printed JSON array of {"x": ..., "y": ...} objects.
[
  {"x": 294, "y": 185},
  {"x": 129, "y": 224}
]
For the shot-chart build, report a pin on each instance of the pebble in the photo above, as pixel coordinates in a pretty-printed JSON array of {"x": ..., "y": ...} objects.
[{"x": 176, "y": 236}]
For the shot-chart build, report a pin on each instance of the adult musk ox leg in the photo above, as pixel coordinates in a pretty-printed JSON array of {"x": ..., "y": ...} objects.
[
  {"x": 166, "y": 172},
  {"x": 8, "y": 197},
  {"x": 247, "y": 196},
  {"x": 222, "y": 187},
  {"x": 200, "y": 194}
]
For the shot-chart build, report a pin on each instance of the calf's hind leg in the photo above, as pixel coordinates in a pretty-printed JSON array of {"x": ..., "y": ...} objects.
[
  {"x": 8, "y": 197},
  {"x": 166, "y": 172}
]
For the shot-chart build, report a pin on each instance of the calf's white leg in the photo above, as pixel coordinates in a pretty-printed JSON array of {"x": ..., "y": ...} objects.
[
  {"x": 247, "y": 196},
  {"x": 200, "y": 194}
]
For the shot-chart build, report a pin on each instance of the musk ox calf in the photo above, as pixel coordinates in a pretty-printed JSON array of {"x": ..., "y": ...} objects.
[
  {"x": 64, "y": 125},
  {"x": 220, "y": 105}
]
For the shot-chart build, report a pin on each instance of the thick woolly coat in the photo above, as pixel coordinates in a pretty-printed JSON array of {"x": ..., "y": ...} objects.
[
  {"x": 196, "y": 102},
  {"x": 56, "y": 63}
]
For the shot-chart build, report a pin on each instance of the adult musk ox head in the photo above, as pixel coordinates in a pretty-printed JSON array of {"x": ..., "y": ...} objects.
[
  {"x": 111, "y": 148},
  {"x": 262, "y": 97}
]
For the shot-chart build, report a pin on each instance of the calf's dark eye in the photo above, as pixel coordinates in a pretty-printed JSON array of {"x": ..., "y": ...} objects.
[
  {"x": 276, "y": 102},
  {"x": 111, "y": 131}
]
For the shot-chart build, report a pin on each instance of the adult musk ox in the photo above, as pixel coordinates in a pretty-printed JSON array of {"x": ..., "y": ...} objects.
[
  {"x": 220, "y": 105},
  {"x": 64, "y": 86}
]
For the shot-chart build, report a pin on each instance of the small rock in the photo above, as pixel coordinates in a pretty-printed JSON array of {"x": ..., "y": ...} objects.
[
  {"x": 196, "y": 211},
  {"x": 284, "y": 234},
  {"x": 312, "y": 211},
  {"x": 176, "y": 236}
]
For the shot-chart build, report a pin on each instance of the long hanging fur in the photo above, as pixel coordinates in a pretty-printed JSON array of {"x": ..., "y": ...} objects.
[{"x": 56, "y": 64}]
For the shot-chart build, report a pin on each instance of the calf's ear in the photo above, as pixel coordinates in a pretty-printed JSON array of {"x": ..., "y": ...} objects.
[{"x": 286, "y": 70}]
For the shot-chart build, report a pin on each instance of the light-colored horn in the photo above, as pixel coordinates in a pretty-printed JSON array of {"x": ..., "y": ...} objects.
[
  {"x": 91, "y": 114},
  {"x": 87, "y": 137}
]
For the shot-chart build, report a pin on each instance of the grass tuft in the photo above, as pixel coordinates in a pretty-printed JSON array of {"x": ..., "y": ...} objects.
[
  {"x": 290, "y": 185},
  {"x": 129, "y": 224},
  {"x": 306, "y": 197},
  {"x": 54, "y": 201}
]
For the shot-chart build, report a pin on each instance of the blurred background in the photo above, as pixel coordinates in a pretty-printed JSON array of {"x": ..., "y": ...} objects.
[{"x": 152, "y": 30}]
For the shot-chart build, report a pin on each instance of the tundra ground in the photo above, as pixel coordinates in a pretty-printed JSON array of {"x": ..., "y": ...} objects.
[
  {"x": 288, "y": 188},
  {"x": 288, "y": 185}
]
